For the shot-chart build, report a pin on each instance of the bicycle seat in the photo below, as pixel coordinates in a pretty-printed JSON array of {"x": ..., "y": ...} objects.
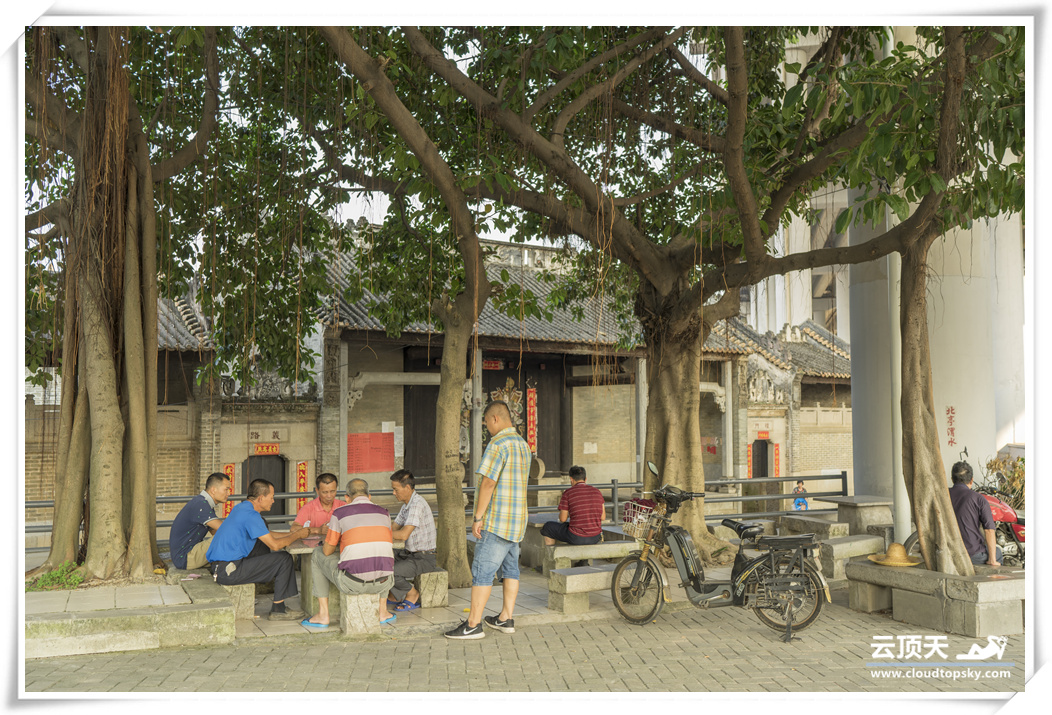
[
  {"x": 744, "y": 529},
  {"x": 786, "y": 542}
]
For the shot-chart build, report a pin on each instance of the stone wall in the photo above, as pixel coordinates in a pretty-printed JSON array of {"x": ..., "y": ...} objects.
[{"x": 604, "y": 431}]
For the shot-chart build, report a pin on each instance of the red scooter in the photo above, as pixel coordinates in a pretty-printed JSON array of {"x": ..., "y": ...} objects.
[{"x": 1010, "y": 534}]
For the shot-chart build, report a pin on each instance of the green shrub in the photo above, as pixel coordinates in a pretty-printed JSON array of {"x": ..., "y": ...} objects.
[{"x": 64, "y": 578}]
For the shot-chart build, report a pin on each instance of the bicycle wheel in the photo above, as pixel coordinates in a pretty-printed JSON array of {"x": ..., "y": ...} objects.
[
  {"x": 636, "y": 590},
  {"x": 778, "y": 591},
  {"x": 912, "y": 545}
]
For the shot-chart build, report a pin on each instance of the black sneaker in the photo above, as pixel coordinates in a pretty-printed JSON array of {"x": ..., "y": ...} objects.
[
  {"x": 466, "y": 632},
  {"x": 494, "y": 622}
]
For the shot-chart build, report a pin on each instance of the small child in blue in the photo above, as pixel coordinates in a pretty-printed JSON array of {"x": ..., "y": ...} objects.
[{"x": 800, "y": 503}]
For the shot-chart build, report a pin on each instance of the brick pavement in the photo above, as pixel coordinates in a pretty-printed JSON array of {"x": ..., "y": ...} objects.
[{"x": 723, "y": 650}]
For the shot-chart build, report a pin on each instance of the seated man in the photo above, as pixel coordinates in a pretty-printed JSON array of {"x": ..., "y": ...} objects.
[
  {"x": 974, "y": 518},
  {"x": 581, "y": 511},
  {"x": 415, "y": 524},
  {"x": 194, "y": 525},
  {"x": 244, "y": 550},
  {"x": 365, "y": 564},
  {"x": 316, "y": 513}
]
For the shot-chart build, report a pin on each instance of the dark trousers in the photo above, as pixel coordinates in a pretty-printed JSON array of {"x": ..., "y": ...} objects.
[
  {"x": 406, "y": 567},
  {"x": 560, "y": 531},
  {"x": 260, "y": 566}
]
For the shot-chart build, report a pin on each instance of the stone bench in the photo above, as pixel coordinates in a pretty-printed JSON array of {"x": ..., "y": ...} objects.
[
  {"x": 834, "y": 553},
  {"x": 824, "y": 529},
  {"x": 568, "y": 588},
  {"x": 561, "y": 556},
  {"x": 204, "y": 589},
  {"x": 359, "y": 615},
  {"x": 989, "y": 603},
  {"x": 434, "y": 588}
]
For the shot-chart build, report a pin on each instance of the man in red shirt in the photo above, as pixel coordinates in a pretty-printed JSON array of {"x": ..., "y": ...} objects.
[
  {"x": 581, "y": 511},
  {"x": 316, "y": 513}
]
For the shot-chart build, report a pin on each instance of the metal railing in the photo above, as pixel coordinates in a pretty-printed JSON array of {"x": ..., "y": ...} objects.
[{"x": 613, "y": 486}]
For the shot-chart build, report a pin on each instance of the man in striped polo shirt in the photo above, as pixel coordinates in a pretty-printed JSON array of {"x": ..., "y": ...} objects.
[
  {"x": 581, "y": 511},
  {"x": 365, "y": 563},
  {"x": 499, "y": 524}
]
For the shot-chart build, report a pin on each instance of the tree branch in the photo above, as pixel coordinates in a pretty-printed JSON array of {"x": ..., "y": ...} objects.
[
  {"x": 379, "y": 87},
  {"x": 51, "y": 111},
  {"x": 694, "y": 74},
  {"x": 592, "y": 93},
  {"x": 197, "y": 144},
  {"x": 636, "y": 250},
  {"x": 734, "y": 154},
  {"x": 546, "y": 97},
  {"x": 73, "y": 45},
  {"x": 632, "y": 200},
  {"x": 53, "y": 213},
  {"x": 703, "y": 140}
]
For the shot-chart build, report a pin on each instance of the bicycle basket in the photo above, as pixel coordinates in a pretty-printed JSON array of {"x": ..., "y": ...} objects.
[{"x": 635, "y": 517}]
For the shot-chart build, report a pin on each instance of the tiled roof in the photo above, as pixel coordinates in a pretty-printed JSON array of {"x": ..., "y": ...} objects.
[
  {"x": 598, "y": 326},
  {"x": 179, "y": 327}
]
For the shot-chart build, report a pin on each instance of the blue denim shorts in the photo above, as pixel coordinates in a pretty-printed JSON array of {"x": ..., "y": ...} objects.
[{"x": 491, "y": 553}]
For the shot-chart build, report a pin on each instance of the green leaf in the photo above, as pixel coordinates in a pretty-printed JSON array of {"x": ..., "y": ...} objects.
[{"x": 842, "y": 221}]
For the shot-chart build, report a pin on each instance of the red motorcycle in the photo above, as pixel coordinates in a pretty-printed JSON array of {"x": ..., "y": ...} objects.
[{"x": 1010, "y": 534}]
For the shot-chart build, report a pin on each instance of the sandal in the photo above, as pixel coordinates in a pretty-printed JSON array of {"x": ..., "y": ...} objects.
[{"x": 407, "y": 606}]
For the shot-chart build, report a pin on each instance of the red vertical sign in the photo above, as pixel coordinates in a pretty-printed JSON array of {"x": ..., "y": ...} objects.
[
  {"x": 301, "y": 482},
  {"x": 776, "y": 470},
  {"x": 228, "y": 469},
  {"x": 531, "y": 419},
  {"x": 750, "y": 460}
]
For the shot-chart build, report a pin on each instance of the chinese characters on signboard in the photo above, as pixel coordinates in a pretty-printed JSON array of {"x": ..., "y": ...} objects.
[
  {"x": 370, "y": 452},
  {"x": 951, "y": 431},
  {"x": 531, "y": 419},
  {"x": 228, "y": 469},
  {"x": 301, "y": 482}
]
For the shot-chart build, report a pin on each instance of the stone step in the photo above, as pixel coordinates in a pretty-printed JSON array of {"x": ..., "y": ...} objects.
[
  {"x": 581, "y": 579},
  {"x": 822, "y": 528},
  {"x": 78, "y": 633}
]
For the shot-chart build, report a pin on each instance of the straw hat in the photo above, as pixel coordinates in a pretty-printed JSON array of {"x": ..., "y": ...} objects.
[{"x": 896, "y": 556}]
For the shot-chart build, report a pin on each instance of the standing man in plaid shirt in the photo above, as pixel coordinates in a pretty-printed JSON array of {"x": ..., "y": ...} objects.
[
  {"x": 499, "y": 523},
  {"x": 415, "y": 524}
]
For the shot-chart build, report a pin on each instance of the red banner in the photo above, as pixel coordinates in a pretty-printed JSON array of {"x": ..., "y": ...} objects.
[
  {"x": 749, "y": 451},
  {"x": 531, "y": 419},
  {"x": 267, "y": 448},
  {"x": 763, "y": 434},
  {"x": 776, "y": 470},
  {"x": 301, "y": 482},
  {"x": 228, "y": 469},
  {"x": 369, "y": 452}
]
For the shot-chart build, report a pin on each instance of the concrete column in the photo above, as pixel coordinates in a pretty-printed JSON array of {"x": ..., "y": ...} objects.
[
  {"x": 871, "y": 366},
  {"x": 1006, "y": 299},
  {"x": 798, "y": 283},
  {"x": 344, "y": 406},
  {"x": 960, "y": 317},
  {"x": 641, "y": 417},
  {"x": 727, "y": 449}
]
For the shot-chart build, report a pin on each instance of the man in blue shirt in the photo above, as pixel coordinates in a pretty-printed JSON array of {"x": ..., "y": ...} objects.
[
  {"x": 192, "y": 530},
  {"x": 244, "y": 550}
]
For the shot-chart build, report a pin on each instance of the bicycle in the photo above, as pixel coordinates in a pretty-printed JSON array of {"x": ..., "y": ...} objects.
[{"x": 783, "y": 586}]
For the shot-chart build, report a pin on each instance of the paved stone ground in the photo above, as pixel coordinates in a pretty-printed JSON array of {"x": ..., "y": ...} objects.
[{"x": 723, "y": 650}]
